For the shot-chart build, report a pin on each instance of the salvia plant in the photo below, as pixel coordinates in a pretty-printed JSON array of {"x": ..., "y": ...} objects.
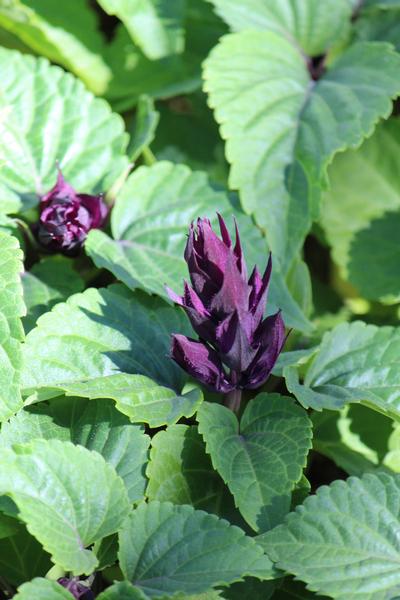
[{"x": 199, "y": 299}]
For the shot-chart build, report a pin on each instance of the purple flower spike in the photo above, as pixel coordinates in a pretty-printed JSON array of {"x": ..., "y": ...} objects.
[
  {"x": 66, "y": 217},
  {"x": 237, "y": 348},
  {"x": 77, "y": 588}
]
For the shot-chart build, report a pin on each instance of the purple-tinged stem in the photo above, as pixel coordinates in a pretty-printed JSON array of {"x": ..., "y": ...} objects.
[{"x": 234, "y": 398}]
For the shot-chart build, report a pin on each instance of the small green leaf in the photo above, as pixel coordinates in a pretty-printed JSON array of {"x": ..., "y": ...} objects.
[
  {"x": 48, "y": 116},
  {"x": 95, "y": 425},
  {"x": 165, "y": 549},
  {"x": 150, "y": 221},
  {"x": 12, "y": 308},
  {"x": 314, "y": 25},
  {"x": 143, "y": 127},
  {"x": 343, "y": 541},
  {"x": 180, "y": 471},
  {"x": 66, "y": 34},
  {"x": 155, "y": 25},
  {"x": 50, "y": 281},
  {"x": 261, "y": 458},
  {"x": 68, "y": 497},
  {"x": 42, "y": 589}
]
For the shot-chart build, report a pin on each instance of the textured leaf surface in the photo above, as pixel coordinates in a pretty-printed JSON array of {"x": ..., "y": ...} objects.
[
  {"x": 165, "y": 549},
  {"x": 42, "y": 589},
  {"x": 150, "y": 223},
  {"x": 314, "y": 25},
  {"x": 181, "y": 472},
  {"x": 49, "y": 117},
  {"x": 344, "y": 540},
  {"x": 282, "y": 130},
  {"x": 12, "y": 308},
  {"x": 355, "y": 363},
  {"x": 363, "y": 187},
  {"x": 68, "y": 497},
  {"x": 115, "y": 345},
  {"x": 262, "y": 458},
  {"x": 66, "y": 34},
  {"x": 95, "y": 425},
  {"x": 50, "y": 281},
  {"x": 155, "y": 25},
  {"x": 379, "y": 25}
]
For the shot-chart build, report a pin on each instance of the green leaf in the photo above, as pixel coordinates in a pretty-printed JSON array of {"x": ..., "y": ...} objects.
[
  {"x": 165, "y": 549},
  {"x": 355, "y": 363},
  {"x": 116, "y": 346},
  {"x": 49, "y": 117},
  {"x": 140, "y": 398},
  {"x": 261, "y": 458},
  {"x": 341, "y": 547},
  {"x": 68, "y": 497},
  {"x": 314, "y": 25},
  {"x": 379, "y": 25},
  {"x": 95, "y": 425},
  {"x": 123, "y": 590},
  {"x": 329, "y": 441},
  {"x": 363, "y": 188},
  {"x": 180, "y": 471},
  {"x": 66, "y": 34},
  {"x": 12, "y": 308},
  {"x": 42, "y": 589},
  {"x": 150, "y": 221},
  {"x": 22, "y": 558},
  {"x": 155, "y": 25},
  {"x": 144, "y": 127},
  {"x": 51, "y": 280},
  {"x": 377, "y": 248},
  {"x": 293, "y": 127}
]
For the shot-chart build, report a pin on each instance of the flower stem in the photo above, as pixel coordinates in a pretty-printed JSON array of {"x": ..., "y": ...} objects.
[{"x": 233, "y": 400}]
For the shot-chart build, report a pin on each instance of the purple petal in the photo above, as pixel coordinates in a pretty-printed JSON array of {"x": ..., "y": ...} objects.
[
  {"x": 173, "y": 296},
  {"x": 259, "y": 291},
  {"x": 61, "y": 191},
  {"x": 201, "y": 362},
  {"x": 271, "y": 338},
  {"x": 239, "y": 253},
  {"x": 234, "y": 292},
  {"x": 226, "y": 238},
  {"x": 234, "y": 344},
  {"x": 96, "y": 207}
]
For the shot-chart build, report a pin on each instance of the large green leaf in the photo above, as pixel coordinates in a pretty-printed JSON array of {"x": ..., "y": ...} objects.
[
  {"x": 50, "y": 281},
  {"x": 314, "y": 25},
  {"x": 355, "y": 363},
  {"x": 282, "y": 129},
  {"x": 95, "y": 425},
  {"x": 65, "y": 33},
  {"x": 260, "y": 459},
  {"x": 68, "y": 496},
  {"x": 143, "y": 127},
  {"x": 380, "y": 25},
  {"x": 343, "y": 541},
  {"x": 155, "y": 25},
  {"x": 363, "y": 187},
  {"x": 42, "y": 589},
  {"x": 181, "y": 472},
  {"x": 111, "y": 343},
  {"x": 150, "y": 221},
  {"x": 165, "y": 549},
  {"x": 48, "y": 116},
  {"x": 12, "y": 308}
]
